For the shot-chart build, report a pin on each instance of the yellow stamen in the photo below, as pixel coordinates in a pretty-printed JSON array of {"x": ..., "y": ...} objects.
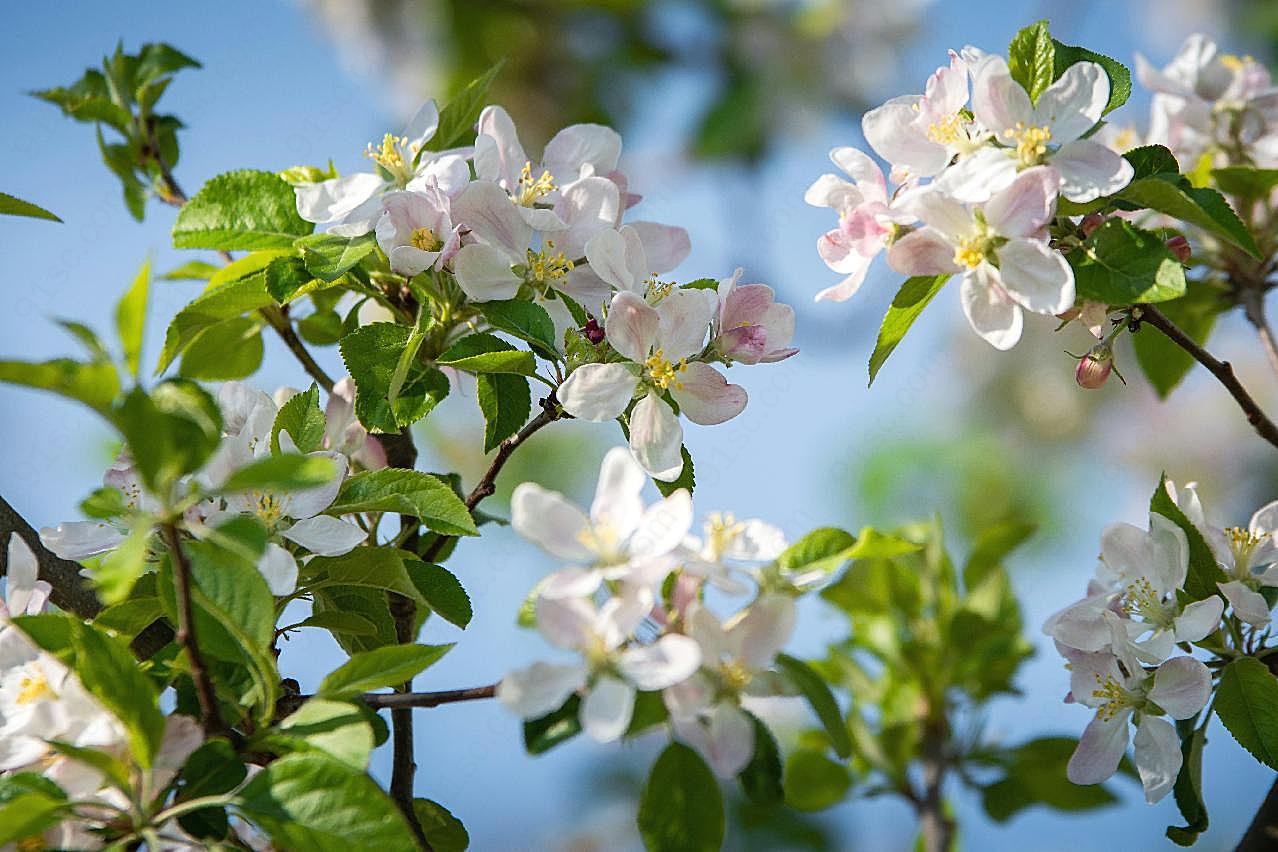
[
  {"x": 970, "y": 252},
  {"x": 530, "y": 190},
  {"x": 390, "y": 156},
  {"x": 657, "y": 290},
  {"x": 1114, "y": 696},
  {"x": 1031, "y": 142},
  {"x": 736, "y": 676},
  {"x": 425, "y": 239},
  {"x": 547, "y": 264},
  {"x": 33, "y": 687},
  {"x": 946, "y": 131},
  {"x": 1140, "y": 598},
  {"x": 663, "y": 373},
  {"x": 1234, "y": 62},
  {"x": 721, "y": 531}
]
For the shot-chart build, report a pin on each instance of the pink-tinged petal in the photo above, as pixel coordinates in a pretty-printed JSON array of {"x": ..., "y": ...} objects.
[
  {"x": 76, "y": 540},
  {"x": 325, "y": 536},
  {"x": 689, "y": 697},
  {"x": 578, "y": 145},
  {"x": 891, "y": 133},
  {"x": 499, "y": 157},
  {"x": 763, "y": 630},
  {"x": 847, "y": 288},
  {"x": 940, "y": 211},
  {"x": 1037, "y": 276},
  {"x": 632, "y": 326},
  {"x": 1099, "y": 749},
  {"x": 540, "y": 219},
  {"x": 725, "y": 739},
  {"x": 493, "y": 219},
  {"x": 946, "y": 90},
  {"x": 662, "y": 527},
  {"x": 598, "y": 392},
  {"x": 834, "y": 192},
  {"x": 665, "y": 246},
  {"x": 705, "y": 397},
  {"x": 550, "y": 521},
  {"x": 1026, "y": 205},
  {"x": 923, "y": 252},
  {"x": 449, "y": 173},
  {"x": 278, "y": 567},
  {"x": 422, "y": 126},
  {"x": 670, "y": 660},
  {"x": 864, "y": 232},
  {"x": 331, "y": 200},
  {"x": 410, "y": 260},
  {"x": 656, "y": 438},
  {"x": 864, "y": 172},
  {"x": 998, "y": 101},
  {"x": 778, "y": 320},
  {"x": 1090, "y": 170},
  {"x": 567, "y": 622},
  {"x": 607, "y": 708},
  {"x": 747, "y": 344},
  {"x": 484, "y": 273},
  {"x": 837, "y": 250},
  {"x": 539, "y": 689},
  {"x": 618, "y": 260},
  {"x": 618, "y": 496},
  {"x": 709, "y": 634},
  {"x": 1199, "y": 619},
  {"x": 974, "y": 178},
  {"x": 1248, "y": 605},
  {"x": 991, "y": 314},
  {"x": 1074, "y": 103},
  {"x": 1158, "y": 756},
  {"x": 685, "y": 320},
  {"x": 1182, "y": 686},
  {"x": 588, "y": 206},
  {"x": 570, "y": 583}
]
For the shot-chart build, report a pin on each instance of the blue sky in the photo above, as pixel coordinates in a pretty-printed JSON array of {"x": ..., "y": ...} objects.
[{"x": 272, "y": 94}]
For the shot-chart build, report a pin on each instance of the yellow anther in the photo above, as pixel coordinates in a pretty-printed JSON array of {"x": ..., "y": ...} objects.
[
  {"x": 1243, "y": 544},
  {"x": 657, "y": 290},
  {"x": 425, "y": 239},
  {"x": 1114, "y": 697},
  {"x": 602, "y": 540},
  {"x": 268, "y": 508},
  {"x": 390, "y": 156},
  {"x": 721, "y": 531},
  {"x": 33, "y": 687},
  {"x": 1234, "y": 62},
  {"x": 736, "y": 676},
  {"x": 970, "y": 252},
  {"x": 1140, "y": 598},
  {"x": 532, "y": 190},
  {"x": 34, "y": 843},
  {"x": 662, "y": 372},
  {"x": 1031, "y": 142},
  {"x": 547, "y": 264},
  {"x": 947, "y": 130}
]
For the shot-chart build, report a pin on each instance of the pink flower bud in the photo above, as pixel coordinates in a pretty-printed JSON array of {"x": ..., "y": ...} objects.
[
  {"x": 1090, "y": 223},
  {"x": 1179, "y": 246},
  {"x": 593, "y": 332},
  {"x": 1094, "y": 367}
]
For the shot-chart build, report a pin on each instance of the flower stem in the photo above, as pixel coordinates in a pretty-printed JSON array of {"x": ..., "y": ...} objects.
[{"x": 185, "y": 635}]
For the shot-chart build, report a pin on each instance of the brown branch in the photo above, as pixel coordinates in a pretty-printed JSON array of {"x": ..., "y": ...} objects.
[
  {"x": 550, "y": 412},
  {"x": 1262, "y": 834},
  {"x": 408, "y": 700},
  {"x": 936, "y": 826},
  {"x": 185, "y": 635},
  {"x": 1253, "y": 305},
  {"x": 1222, "y": 370}
]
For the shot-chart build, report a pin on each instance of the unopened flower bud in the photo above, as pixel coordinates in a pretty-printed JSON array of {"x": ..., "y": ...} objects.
[
  {"x": 1094, "y": 367},
  {"x": 593, "y": 331},
  {"x": 1090, "y": 223},
  {"x": 1179, "y": 246}
]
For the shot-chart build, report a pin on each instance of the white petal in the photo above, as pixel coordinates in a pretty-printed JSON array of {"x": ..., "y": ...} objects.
[
  {"x": 632, "y": 324},
  {"x": 422, "y": 126},
  {"x": 705, "y": 397},
  {"x": 725, "y": 740},
  {"x": 1072, "y": 104},
  {"x": 334, "y": 199},
  {"x": 656, "y": 437},
  {"x": 1250, "y": 606},
  {"x": 484, "y": 273},
  {"x": 1158, "y": 756},
  {"x": 578, "y": 145},
  {"x": 1181, "y": 687},
  {"x": 21, "y": 575},
  {"x": 618, "y": 502},
  {"x": 279, "y": 568},
  {"x": 588, "y": 206},
  {"x": 570, "y": 583},
  {"x": 1099, "y": 749},
  {"x": 976, "y": 177},
  {"x": 998, "y": 101},
  {"x": 939, "y": 210},
  {"x": 1036, "y": 276},
  {"x": 498, "y": 154},
  {"x": 763, "y": 630},
  {"x": 833, "y": 191},
  {"x": 1199, "y": 619},
  {"x": 540, "y": 219},
  {"x": 688, "y": 697},
  {"x": 671, "y": 659},
  {"x": 665, "y": 246},
  {"x": 685, "y": 319},
  {"x": 598, "y": 392},
  {"x": 539, "y": 689},
  {"x": 992, "y": 315},
  {"x": 311, "y": 501},
  {"x": 550, "y": 521},
  {"x": 606, "y": 253},
  {"x": 492, "y": 218},
  {"x": 662, "y": 527},
  {"x": 891, "y": 133},
  {"x": 1090, "y": 170},
  {"x": 326, "y": 536},
  {"x": 1026, "y": 205},
  {"x": 76, "y": 540},
  {"x": 606, "y": 711},
  {"x": 567, "y": 622}
]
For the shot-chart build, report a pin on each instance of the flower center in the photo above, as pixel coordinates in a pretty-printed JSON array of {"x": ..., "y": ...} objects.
[
  {"x": 390, "y": 156},
  {"x": 547, "y": 264},
  {"x": 34, "y": 687},
  {"x": 533, "y": 190},
  {"x": 603, "y": 541},
  {"x": 425, "y": 239},
  {"x": 947, "y": 130},
  {"x": 1234, "y": 62},
  {"x": 1031, "y": 142},
  {"x": 1243, "y": 544},
  {"x": 662, "y": 372},
  {"x": 970, "y": 252},
  {"x": 1140, "y": 598},
  {"x": 736, "y": 676},
  {"x": 656, "y": 290},
  {"x": 268, "y": 507},
  {"x": 721, "y": 531},
  {"x": 1114, "y": 697}
]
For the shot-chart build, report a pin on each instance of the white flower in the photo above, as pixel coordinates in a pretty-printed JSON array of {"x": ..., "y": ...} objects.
[
  {"x": 705, "y": 709},
  {"x": 658, "y": 343},
  {"x": 1006, "y": 265},
  {"x": 629, "y": 258},
  {"x": 416, "y": 231},
  {"x": 620, "y": 539},
  {"x": 78, "y": 540},
  {"x": 750, "y": 326},
  {"x": 610, "y": 674},
  {"x": 1046, "y": 131},
  {"x": 728, "y": 543},
  {"x": 24, "y": 592},
  {"x": 343, "y": 433}
]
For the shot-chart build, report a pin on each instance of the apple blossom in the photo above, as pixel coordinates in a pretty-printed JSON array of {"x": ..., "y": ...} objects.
[
  {"x": 750, "y": 327},
  {"x": 726, "y": 546},
  {"x": 1248, "y": 557},
  {"x": 998, "y": 248},
  {"x": 416, "y": 231},
  {"x": 343, "y": 433},
  {"x": 24, "y": 592}
]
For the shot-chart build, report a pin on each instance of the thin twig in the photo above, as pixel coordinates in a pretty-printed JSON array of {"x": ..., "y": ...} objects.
[
  {"x": 404, "y": 700},
  {"x": 1222, "y": 370},
  {"x": 185, "y": 635},
  {"x": 1254, "y": 309}
]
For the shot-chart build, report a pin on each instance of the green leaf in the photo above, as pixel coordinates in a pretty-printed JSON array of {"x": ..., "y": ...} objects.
[
  {"x": 1035, "y": 775},
  {"x": 485, "y": 353},
  {"x": 1246, "y": 182},
  {"x": 405, "y": 492},
  {"x": 29, "y": 805},
  {"x": 813, "y": 782},
  {"x": 1164, "y": 363},
  {"x": 443, "y": 831},
  {"x": 329, "y": 257},
  {"x": 818, "y": 695},
  {"x": 761, "y": 778},
  {"x": 527, "y": 321},
  {"x": 1188, "y": 790},
  {"x": 681, "y": 809},
  {"x": 1031, "y": 59},
  {"x": 457, "y": 119},
  {"x": 241, "y": 210},
  {"x": 219, "y": 303},
  {"x": 1120, "y": 264},
  {"x": 192, "y": 270},
  {"x": 442, "y": 591},
  {"x": 371, "y": 354},
  {"x": 1204, "y": 572},
  {"x": 370, "y": 670},
  {"x": 686, "y": 478},
  {"x": 212, "y": 769},
  {"x": 95, "y": 385},
  {"x": 170, "y": 432},
  {"x": 336, "y": 621},
  {"x": 505, "y": 402},
  {"x": 1247, "y": 704},
  {"x": 121, "y": 568},
  {"x": 368, "y": 603},
  {"x": 1204, "y": 207},
  {"x": 991, "y": 547},
  {"x": 370, "y": 567},
  {"x": 88, "y": 338},
  {"x": 284, "y": 472},
  {"x": 823, "y": 549},
  {"x": 1120, "y": 78},
  {"x": 228, "y": 350},
  {"x": 1150, "y": 160},
  {"x": 111, "y": 674},
  {"x": 11, "y": 206},
  {"x": 872, "y": 544},
  {"x": 287, "y": 278},
  {"x": 544, "y": 733},
  {"x": 130, "y": 318},
  {"x": 336, "y": 728},
  {"x": 310, "y": 801},
  {"x": 908, "y": 303},
  {"x": 302, "y": 419}
]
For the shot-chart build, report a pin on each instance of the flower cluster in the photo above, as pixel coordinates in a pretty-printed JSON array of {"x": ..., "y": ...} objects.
[
  {"x": 978, "y": 167},
  {"x": 504, "y": 226},
  {"x": 291, "y": 517},
  {"x": 606, "y": 608}
]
